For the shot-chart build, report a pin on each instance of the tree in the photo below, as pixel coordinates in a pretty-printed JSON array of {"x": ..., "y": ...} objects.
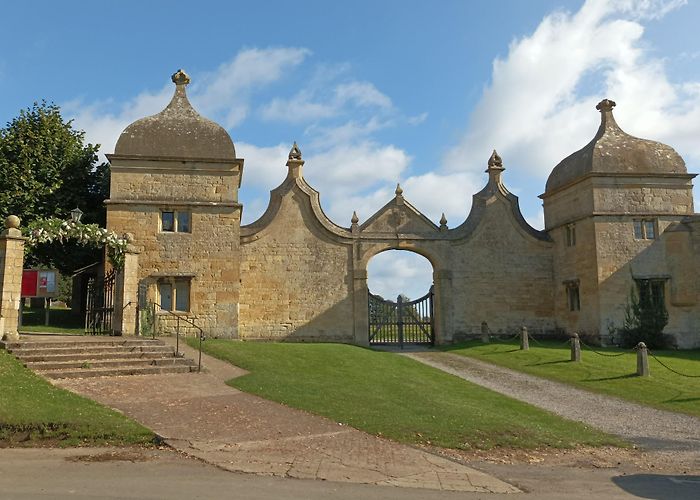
[
  {"x": 645, "y": 318},
  {"x": 46, "y": 169}
]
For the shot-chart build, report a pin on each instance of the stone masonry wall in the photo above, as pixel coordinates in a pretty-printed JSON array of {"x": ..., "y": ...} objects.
[
  {"x": 502, "y": 276},
  {"x": 295, "y": 281}
]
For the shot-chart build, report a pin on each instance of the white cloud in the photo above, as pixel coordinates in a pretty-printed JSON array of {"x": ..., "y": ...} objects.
[
  {"x": 264, "y": 167},
  {"x": 396, "y": 271},
  {"x": 348, "y": 176},
  {"x": 229, "y": 87},
  {"x": 223, "y": 95},
  {"x": 314, "y": 103},
  {"x": 538, "y": 109}
]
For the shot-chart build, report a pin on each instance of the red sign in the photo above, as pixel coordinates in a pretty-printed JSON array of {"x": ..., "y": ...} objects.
[
  {"x": 39, "y": 283},
  {"x": 30, "y": 279}
]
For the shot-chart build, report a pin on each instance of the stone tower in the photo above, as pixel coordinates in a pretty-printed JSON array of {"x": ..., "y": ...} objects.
[
  {"x": 174, "y": 187},
  {"x": 606, "y": 207}
]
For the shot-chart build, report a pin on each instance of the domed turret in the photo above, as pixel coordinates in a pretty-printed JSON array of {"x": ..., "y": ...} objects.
[
  {"x": 178, "y": 131},
  {"x": 613, "y": 151}
]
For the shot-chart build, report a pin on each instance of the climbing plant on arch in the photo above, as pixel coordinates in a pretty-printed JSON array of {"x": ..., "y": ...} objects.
[{"x": 53, "y": 229}]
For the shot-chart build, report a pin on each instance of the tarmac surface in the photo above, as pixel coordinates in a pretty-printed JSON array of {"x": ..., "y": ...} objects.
[{"x": 118, "y": 473}]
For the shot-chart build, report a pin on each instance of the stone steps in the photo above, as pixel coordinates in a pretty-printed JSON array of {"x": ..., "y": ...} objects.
[
  {"x": 109, "y": 372},
  {"x": 77, "y": 358},
  {"x": 88, "y": 351}
]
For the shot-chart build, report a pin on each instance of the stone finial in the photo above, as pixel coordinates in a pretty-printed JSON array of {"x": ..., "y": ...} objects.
[
  {"x": 443, "y": 222},
  {"x": 355, "y": 219},
  {"x": 495, "y": 161},
  {"x": 295, "y": 152},
  {"x": 294, "y": 162},
  {"x": 180, "y": 77},
  {"x": 12, "y": 222},
  {"x": 399, "y": 191},
  {"x": 605, "y": 105}
]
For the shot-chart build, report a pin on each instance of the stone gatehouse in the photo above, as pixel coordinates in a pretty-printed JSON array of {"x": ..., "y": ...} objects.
[{"x": 618, "y": 213}]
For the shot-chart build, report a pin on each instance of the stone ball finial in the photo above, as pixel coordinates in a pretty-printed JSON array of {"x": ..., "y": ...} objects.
[
  {"x": 605, "y": 105},
  {"x": 12, "y": 222},
  {"x": 399, "y": 190},
  {"x": 180, "y": 77},
  {"x": 355, "y": 219}
]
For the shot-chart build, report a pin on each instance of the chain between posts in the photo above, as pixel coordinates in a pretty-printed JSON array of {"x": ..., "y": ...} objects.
[
  {"x": 569, "y": 340},
  {"x": 604, "y": 353},
  {"x": 671, "y": 369}
]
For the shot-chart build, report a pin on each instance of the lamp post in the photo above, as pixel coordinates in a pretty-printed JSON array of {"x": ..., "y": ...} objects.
[{"x": 76, "y": 214}]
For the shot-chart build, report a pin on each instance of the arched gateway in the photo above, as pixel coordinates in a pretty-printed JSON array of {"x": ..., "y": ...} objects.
[{"x": 296, "y": 275}]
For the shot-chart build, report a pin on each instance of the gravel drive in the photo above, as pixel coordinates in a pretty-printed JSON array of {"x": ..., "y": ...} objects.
[{"x": 647, "y": 427}]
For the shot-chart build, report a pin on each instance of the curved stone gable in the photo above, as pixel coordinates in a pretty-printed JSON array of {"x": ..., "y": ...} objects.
[{"x": 303, "y": 277}]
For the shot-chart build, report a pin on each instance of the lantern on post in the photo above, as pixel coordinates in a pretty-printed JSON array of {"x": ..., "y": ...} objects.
[{"x": 76, "y": 214}]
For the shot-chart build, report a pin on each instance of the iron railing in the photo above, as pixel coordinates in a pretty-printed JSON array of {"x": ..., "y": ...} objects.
[{"x": 180, "y": 317}]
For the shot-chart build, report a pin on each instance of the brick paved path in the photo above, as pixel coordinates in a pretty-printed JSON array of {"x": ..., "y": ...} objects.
[{"x": 201, "y": 416}]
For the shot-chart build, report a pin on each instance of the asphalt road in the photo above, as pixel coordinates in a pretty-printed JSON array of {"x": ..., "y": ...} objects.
[{"x": 130, "y": 474}]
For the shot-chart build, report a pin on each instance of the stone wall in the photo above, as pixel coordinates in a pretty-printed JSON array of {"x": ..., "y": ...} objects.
[
  {"x": 501, "y": 275},
  {"x": 295, "y": 278}
]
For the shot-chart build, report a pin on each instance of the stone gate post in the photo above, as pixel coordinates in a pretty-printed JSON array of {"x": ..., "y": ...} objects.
[
  {"x": 11, "y": 263},
  {"x": 360, "y": 307},
  {"x": 126, "y": 291},
  {"x": 442, "y": 306}
]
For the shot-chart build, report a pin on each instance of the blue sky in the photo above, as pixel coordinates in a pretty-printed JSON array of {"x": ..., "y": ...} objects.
[{"x": 374, "y": 92}]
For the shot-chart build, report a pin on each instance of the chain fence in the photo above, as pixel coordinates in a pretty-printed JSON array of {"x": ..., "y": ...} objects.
[
  {"x": 540, "y": 342},
  {"x": 671, "y": 369}
]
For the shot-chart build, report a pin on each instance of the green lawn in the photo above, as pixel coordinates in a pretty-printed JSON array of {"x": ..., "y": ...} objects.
[
  {"x": 606, "y": 374},
  {"x": 32, "y": 410},
  {"x": 60, "y": 321},
  {"x": 389, "y": 395}
]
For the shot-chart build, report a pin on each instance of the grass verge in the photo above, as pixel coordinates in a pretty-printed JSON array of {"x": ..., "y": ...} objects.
[
  {"x": 615, "y": 376},
  {"x": 392, "y": 396},
  {"x": 32, "y": 412}
]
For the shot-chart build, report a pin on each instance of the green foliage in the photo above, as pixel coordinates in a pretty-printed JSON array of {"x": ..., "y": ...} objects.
[
  {"x": 612, "y": 375},
  {"x": 645, "y": 320},
  {"x": 63, "y": 231},
  {"x": 45, "y": 171},
  {"x": 65, "y": 289},
  {"x": 396, "y": 397},
  {"x": 32, "y": 407}
]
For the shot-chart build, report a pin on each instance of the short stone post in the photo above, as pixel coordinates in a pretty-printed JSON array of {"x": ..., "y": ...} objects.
[
  {"x": 524, "y": 341},
  {"x": 485, "y": 332},
  {"x": 11, "y": 264},
  {"x": 575, "y": 348},
  {"x": 642, "y": 360}
]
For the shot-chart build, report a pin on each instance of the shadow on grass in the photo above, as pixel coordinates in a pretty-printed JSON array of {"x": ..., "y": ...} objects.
[
  {"x": 681, "y": 400},
  {"x": 557, "y": 362},
  {"x": 617, "y": 377}
]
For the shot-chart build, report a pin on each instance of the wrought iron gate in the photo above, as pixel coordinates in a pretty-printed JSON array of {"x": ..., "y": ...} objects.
[
  {"x": 401, "y": 322},
  {"x": 100, "y": 305}
]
